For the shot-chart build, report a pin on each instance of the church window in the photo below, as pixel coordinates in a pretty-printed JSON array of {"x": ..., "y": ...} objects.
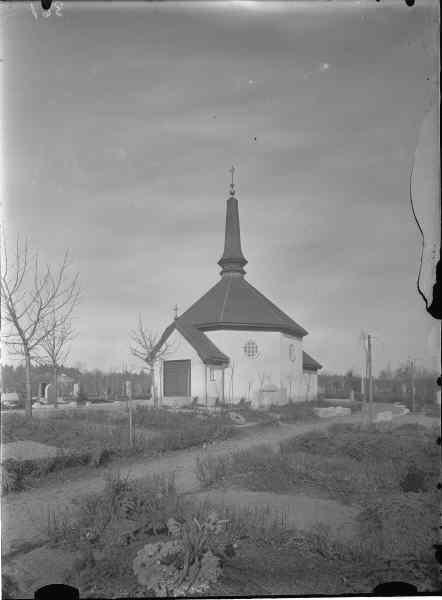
[
  {"x": 251, "y": 349},
  {"x": 292, "y": 352},
  {"x": 212, "y": 374}
]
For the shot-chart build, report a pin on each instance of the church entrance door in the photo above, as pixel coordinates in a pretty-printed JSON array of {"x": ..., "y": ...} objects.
[{"x": 177, "y": 378}]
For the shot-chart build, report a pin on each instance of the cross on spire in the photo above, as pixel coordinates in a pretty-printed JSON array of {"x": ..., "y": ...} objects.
[{"x": 232, "y": 185}]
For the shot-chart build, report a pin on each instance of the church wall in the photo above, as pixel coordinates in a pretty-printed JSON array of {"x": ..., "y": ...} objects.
[
  {"x": 292, "y": 377},
  {"x": 273, "y": 365},
  {"x": 311, "y": 384},
  {"x": 248, "y": 373},
  {"x": 182, "y": 350}
]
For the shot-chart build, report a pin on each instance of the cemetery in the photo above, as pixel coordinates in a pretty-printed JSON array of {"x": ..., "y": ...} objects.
[{"x": 281, "y": 512}]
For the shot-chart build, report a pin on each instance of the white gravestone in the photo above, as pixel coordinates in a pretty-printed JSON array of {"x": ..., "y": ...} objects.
[{"x": 50, "y": 394}]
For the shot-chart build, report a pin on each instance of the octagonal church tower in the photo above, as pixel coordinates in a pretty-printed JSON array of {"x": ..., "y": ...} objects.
[{"x": 233, "y": 343}]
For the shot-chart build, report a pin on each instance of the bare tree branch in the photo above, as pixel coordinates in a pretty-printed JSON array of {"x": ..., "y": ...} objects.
[
  {"x": 37, "y": 305},
  {"x": 146, "y": 346}
]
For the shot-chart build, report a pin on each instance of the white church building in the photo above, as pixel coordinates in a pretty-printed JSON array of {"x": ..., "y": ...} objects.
[{"x": 233, "y": 343}]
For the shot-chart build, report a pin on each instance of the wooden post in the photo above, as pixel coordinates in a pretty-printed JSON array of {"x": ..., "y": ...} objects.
[
  {"x": 370, "y": 381},
  {"x": 129, "y": 405},
  {"x": 412, "y": 386},
  {"x": 222, "y": 387}
]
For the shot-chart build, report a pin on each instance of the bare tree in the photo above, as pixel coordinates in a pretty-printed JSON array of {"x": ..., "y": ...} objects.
[
  {"x": 55, "y": 346},
  {"x": 36, "y": 302},
  {"x": 147, "y": 347}
]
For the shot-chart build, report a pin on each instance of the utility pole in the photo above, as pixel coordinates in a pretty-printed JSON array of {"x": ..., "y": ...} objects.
[
  {"x": 364, "y": 374},
  {"x": 370, "y": 380}
]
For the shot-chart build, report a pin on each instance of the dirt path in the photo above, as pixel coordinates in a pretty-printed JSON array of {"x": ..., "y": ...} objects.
[{"x": 25, "y": 514}]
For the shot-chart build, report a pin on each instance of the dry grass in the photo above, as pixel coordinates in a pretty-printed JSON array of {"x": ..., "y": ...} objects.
[
  {"x": 347, "y": 462},
  {"x": 82, "y": 442}
]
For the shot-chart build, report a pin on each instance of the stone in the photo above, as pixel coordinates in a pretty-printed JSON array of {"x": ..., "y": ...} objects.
[
  {"x": 10, "y": 398},
  {"x": 332, "y": 411},
  {"x": 237, "y": 418},
  {"x": 50, "y": 393},
  {"x": 41, "y": 389},
  {"x": 386, "y": 415}
]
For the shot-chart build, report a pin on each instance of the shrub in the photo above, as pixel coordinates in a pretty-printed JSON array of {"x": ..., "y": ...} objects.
[
  {"x": 162, "y": 419},
  {"x": 16, "y": 475},
  {"x": 186, "y": 564},
  {"x": 11, "y": 479},
  {"x": 261, "y": 468},
  {"x": 124, "y": 508},
  {"x": 405, "y": 445},
  {"x": 76, "y": 432},
  {"x": 296, "y": 411},
  {"x": 195, "y": 434},
  {"x": 413, "y": 480},
  {"x": 258, "y": 468}
]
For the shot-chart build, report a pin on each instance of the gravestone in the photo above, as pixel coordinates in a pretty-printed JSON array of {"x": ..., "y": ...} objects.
[
  {"x": 332, "y": 411},
  {"x": 50, "y": 394},
  {"x": 41, "y": 389},
  {"x": 386, "y": 415}
]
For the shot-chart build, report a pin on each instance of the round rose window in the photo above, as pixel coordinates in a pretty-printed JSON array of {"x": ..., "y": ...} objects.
[
  {"x": 251, "y": 349},
  {"x": 292, "y": 352}
]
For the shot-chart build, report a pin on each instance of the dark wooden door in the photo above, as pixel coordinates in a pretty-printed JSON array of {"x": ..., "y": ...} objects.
[{"x": 176, "y": 378}]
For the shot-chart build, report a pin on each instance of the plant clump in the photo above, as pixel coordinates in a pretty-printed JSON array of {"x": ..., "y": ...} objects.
[{"x": 187, "y": 564}]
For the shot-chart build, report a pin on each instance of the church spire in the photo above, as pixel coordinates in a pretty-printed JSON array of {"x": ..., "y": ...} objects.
[{"x": 232, "y": 260}]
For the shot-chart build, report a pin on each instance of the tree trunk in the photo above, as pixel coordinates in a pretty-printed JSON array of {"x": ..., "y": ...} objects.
[
  {"x": 55, "y": 374},
  {"x": 28, "y": 400}
]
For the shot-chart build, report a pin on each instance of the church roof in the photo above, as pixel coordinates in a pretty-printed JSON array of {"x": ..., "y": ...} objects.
[
  {"x": 204, "y": 347},
  {"x": 233, "y": 303},
  {"x": 309, "y": 363}
]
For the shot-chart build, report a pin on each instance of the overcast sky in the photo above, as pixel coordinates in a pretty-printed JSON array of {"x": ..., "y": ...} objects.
[{"x": 121, "y": 124}]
